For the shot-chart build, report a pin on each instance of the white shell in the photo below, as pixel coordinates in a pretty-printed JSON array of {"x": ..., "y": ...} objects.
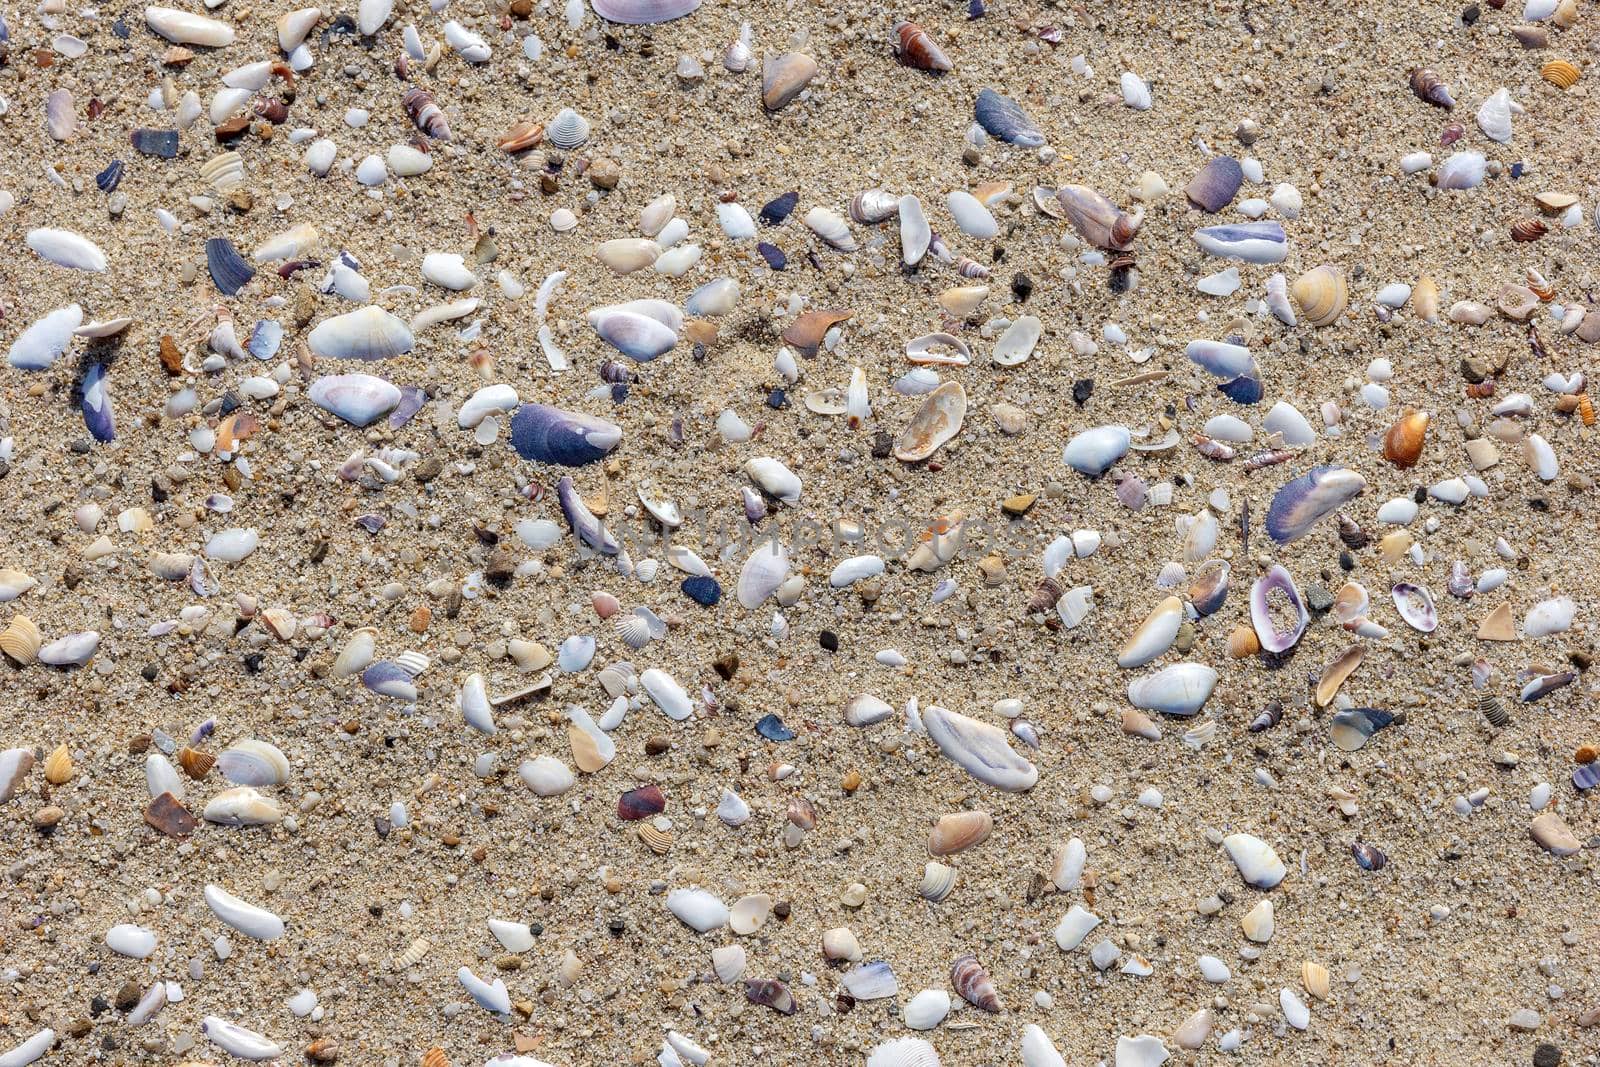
[
  {"x": 667, "y": 694},
  {"x": 67, "y": 249},
  {"x": 971, "y": 216},
  {"x": 1541, "y": 457},
  {"x": 448, "y": 270},
  {"x": 489, "y": 400},
  {"x": 30, "y": 1050},
  {"x": 372, "y": 14},
  {"x": 657, "y": 213},
  {"x": 1548, "y": 617},
  {"x": 241, "y": 806},
  {"x": 866, "y": 709},
  {"x": 1141, "y": 1051},
  {"x": 1067, "y": 871},
  {"x": 128, "y": 939},
  {"x": 1154, "y": 635},
  {"x": 491, "y": 997},
  {"x": 698, "y": 909},
  {"x": 735, "y": 221},
  {"x": 513, "y": 936},
  {"x": 473, "y": 702},
  {"x": 181, "y": 27},
  {"x": 927, "y": 1009},
  {"x": 1286, "y": 421},
  {"x": 40, "y": 344},
  {"x": 1017, "y": 343},
  {"x": 253, "y": 762},
  {"x": 1074, "y": 926},
  {"x": 1135, "y": 93},
  {"x": 546, "y": 776},
  {"x": 904, "y": 1052},
  {"x": 1258, "y": 864},
  {"x": 728, "y": 961},
  {"x": 1494, "y": 116},
  {"x": 232, "y": 545},
  {"x": 568, "y": 130},
  {"x": 915, "y": 233},
  {"x": 293, "y": 26},
  {"x": 238, "y": 1041},
  {"x": 624, "y": 255},
  {"x": 732, "y": 809},
  {"x": 831, "y": 227},
  {"x": 1295, "y": 1011},
  {"x": 1181, "y": 689},
  {"x": 870, "y": 981},
  {"x": 854, "y": 570},
  {"x": 161, "y": 776},
  {"x": 981, "y": 749},
  {"x": 749, "y": 913},
  {"x": 367, "y": 333},
  {"x": 245, "y": 918}
]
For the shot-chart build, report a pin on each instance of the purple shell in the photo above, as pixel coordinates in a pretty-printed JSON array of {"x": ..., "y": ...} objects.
[
  {"x": 97, "y": 404},
  {"x": 1217, "y": 183},
  {"x": 1272, "y": 638},
  {"x": 1300, "y": 504},
  {"x": 388, "y": 678},
  {"x": 643, "y": 12},
  {"x": 1002, "y": 117},
  {"x": 412, "y": 398},
  {"x": 585, "y": 526},
  {"x": 545, "y": 434},
  {"x": 770, "y": 993},
  {"x": 1415, "y": 605}
]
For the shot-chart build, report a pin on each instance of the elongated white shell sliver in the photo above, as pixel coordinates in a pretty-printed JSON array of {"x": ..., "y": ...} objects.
[
  {"x": 237, "y": 1041},
  {"x": 245, "y": 918}
]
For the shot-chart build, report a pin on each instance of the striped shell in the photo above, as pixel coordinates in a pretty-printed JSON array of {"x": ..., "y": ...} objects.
[
  {"x": 1560, "y": 73},
  {"x": 874, "y": 205},
  {"x": 974, "y": 984},
  {"x": 657, "y": 841},
  {"x": 937, "y": 881},
  {"x": 425, "y": 113},
  {"x": 412, "y": 955},
  {"x": 1321, "y": 294},
  {"x": 58, "y": 766},
  {"x": 568, "y": 130},
  {"x": 435, "y": 1057},
  {"x": 1528, "y": 229},
  {"x": 20, "y": 641},
  {"x": 1493, "y": 709}
]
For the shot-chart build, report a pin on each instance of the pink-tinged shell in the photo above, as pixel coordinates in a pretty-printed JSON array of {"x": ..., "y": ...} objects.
[
  {"x": 426, "y": 114},
  {"x": 1415, "y": 605},
  {"x": 641, "y": 803},
  {"x": 915, "y": 47},
  {"x": 605, "y": 605},
  {"x": 1272, "y": 638},
  {"x": 1096, "y": 218},
  {"x": 643, "y": 12},
  {"x": 974, "y": 984}
]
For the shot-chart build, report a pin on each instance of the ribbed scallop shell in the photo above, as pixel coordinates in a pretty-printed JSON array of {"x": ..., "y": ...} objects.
[
  {"x": 1560, "y": 73},
  {"x": 904, "y": 1052},
  {"x": 634, "y": 631},
  {"x": 974, "y": 984},
  {"x": 568, "y": 130},
  {"x": 58, "y": 766},
  {"x": 1321, "y": 294},
  {"x": 937, "y": 881},
  {"x": 21, "y": 640}
]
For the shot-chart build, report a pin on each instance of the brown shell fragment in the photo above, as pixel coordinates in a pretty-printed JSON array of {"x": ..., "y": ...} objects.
[
  {"x": 168, "y": 815},
  {"x": 959, "y": 831},
  {"x": 915, "y": 47},
  {"x": 195, "y": 762},
  {"x": 523, "y": 135},
  {"x": 809, "y": 327},
  {"x": 1402, "y": 445},
  {"x": 1430, "y": 88},
  {"x": 1528, "y": 229},
  {"x": 936, "y": 421}
]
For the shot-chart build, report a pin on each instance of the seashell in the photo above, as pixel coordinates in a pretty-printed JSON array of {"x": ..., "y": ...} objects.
[
  {"x": 1258, "y": 864},
  {"x": 1430, "y": 88},
  {"x": 1549, "y": 617},
  {"x": 938, "y": 349},
  {"x": 1096, "y": 218},
  {"x": 1368, "y": 858},
  {"x": 784, "y": 77},
  {"x": 359, "y": 399},
  {"x": 1554, "y": 836},
  {"x": 737, "y": 57},
  {"x": 1524, "y": 231},
  {"x": 971, "y": 268},
  {"x": 958, "y": 832},
  {"x": 568, "y": 130},
  {"x": 58, "y": 766},
  {"x": 390, "y": 678},
  {"x": 546, "y": 776},
  {"x": 927, "y": 1009},
  {"x": 728, "y": 961},
  {"x": 371, "y": 15},
  {"x": 1351, "y": 729},
  {"x": 1494, "y": 116},
  {"x": 111, "y": 177},
  {"x": 1018, "y": 341},
  {"x": 466, "y": 44},
  {"x": 369, "y": 333},
  {"x": 1154, "y": 635},
  {"x": 980, "y": 749},
  {"x": 903, "y": 1052},
  {"x": 840, "y": 944},
  {"x": 545, "y": 434},
  {"x": 776, "y": 480},
  {"x": 716, "y": 297},
  {"x": 1302, "y": 502},
  {"x": 413, "y": 954},
  {"x": 624, "y": 255},
  {"x": 294, "y": 26},
  {"x": 1543, "y": 685},
  {"x": 181, "y": 27},
  {"x": 938, "y": 420},
  {"x": 15, "y": 763},
  {"x": 915, "y": 233},
  {"x": 1181, "y": 689},
  {"x": 490, "y": 996},
  {"x": 73, "y": 650},
  {"x": 639, "y": 337},
  {"x": 869, "y": 207},
  {"x": 248, "y": 919},
  {"x": 1335, "y": 673},
  {"x": 770, "y": 993},
  {"x": 1321, "y": 295},
  {"x": 59, "y": 118},
  {"x": 1270, "y": 716},
  {"x": 698, "y": 909},
  {"x": 1277, "y": 634},
  {"x": 1135, "y": 93},
  {"x": 643, "y": 12},
  {"x": 241, "y": 806},
  {"x": 1004, "y": 118},
  {"x": 1415, "y": 605},
  {"x": 38, "y": 346},
  {"x": 20, "y": 641},
  {"x": 1221, "y": 358},
  {"x": 1216, "y": 184},
  {"x": 870, "y": 981},
  {"x": 473, "y": 703},
  {"x": 67, "y": 249},
  {"x": 1402, "y": 445},
  {"x": 974, "y": 984},
  {"x": 252, "y": 762},
  {"x": 1462, "y": 170},
  {"x": 915, "y": 47},
  {"x": 829, "y": 226},
  {"x": 1560, "y": 73},
  {"x": 1209, "y": 589},
  {"x": 1093, "y": 452},
  {"x": 1066, "y": 872},
  {"x": 937, "y": 880}
]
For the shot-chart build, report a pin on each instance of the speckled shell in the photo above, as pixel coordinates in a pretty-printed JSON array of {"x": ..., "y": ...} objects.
[{"x": 974, "y": 984}]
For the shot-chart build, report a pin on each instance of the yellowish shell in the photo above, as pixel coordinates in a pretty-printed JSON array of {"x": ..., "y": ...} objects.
[
  {"x": 658, "y": 841},
  {"x": 1321, "y": 294},
  {"x": 1315, "y": 976},
  {"x": 21, "y": 640},
  {"x": 418, "y": 949},
  {"x": 1560, "y": 73},
  {"x": 958, "y": 831},
  {"x": 1425, "y": 299},
  {"x": 435, "y": 1058},
  {"x": 1334, "y": 674},
  {"x": 58, "y": 766}
]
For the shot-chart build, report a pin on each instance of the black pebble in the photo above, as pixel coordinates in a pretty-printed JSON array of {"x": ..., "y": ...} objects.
[
  {"x": 617, "y": 927},
  {"x": 1546, "y": 1056},
  {"x": 776, "y": 210},
  {"x": 98, "y": 1006},
  {"x": 830, "y": 640},
  {"x": 882, "y": 445},
  {"x": 1022, "y": 285},
  {"x": 1470, "y": 15},
  {"x": 1347, "y": 562},
  {"x": 120, "y": 28},
  {"x": 1082, "y": 390},
  {"x": 1420, "y": 496}
]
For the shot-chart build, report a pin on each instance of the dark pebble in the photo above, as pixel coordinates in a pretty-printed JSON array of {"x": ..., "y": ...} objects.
[
  {"x": 830, "y": 640},
  {"x": 1546, "y": 1056},
  {"x": 1517, "y": 169},
  {"x": 1082, "y": 390},
  {"x": 882, "y": 445},
  {"x": 1318, "y": 599},
  {"x": 777, "y": 398},
  {"x": 771, "y": 727},
  {"x": 1470, "y": 15},
  {"x": 703, "y": 590},
  {"x": 1347, "y": 562},
  {"x": 1022, "y": 285},
  {"x": 98, "y": 1006},
  {"x": 127, "y": 996},
  {"x": 617, "y": 927}
]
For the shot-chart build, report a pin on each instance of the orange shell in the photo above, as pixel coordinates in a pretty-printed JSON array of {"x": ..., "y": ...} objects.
[
  {"x": 959, "y": 830},
  {"x": 1242, "y": 642},
  {"x": 1402, "y": 445},
  {"x": 1560, "y": 73}
]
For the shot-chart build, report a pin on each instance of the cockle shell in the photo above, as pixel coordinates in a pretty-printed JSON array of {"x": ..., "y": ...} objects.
[
  {"x": 937, "y": 421},
  {"x": 643, "y": 12},
  {"x": 21, "y": 640},
  {"x": 974, "y": 984},
  {"x": 367, "y": 334},
  {"x": 181, "y": 27},
  {"x": 981, "y": 749},
  {"x": 1135, "y": 93},
  {"x": 1181, "y": 689},
  {"x": 903, "y": 1052},
  {"x": 1097, "y": 219},
  {"x": 545, "y": 434},
  {"x": 1321, "y": 295},
  {"x": 784, "y": 77},
  {"x": 916, "y": 47},
  {"x": 58, "y": 767},
  {"x": 1002, "y": 117},
  {"x": 927, "y": 1009},
  {"x": 359, "y": 399},
  {"x": 568, "y": 131},
  {"x": 1275, "y": 638},
  {"x": 1560, "y": 73},
  {"x": 1301, "y": 503},
  {"x": 1258, "y": 864}
]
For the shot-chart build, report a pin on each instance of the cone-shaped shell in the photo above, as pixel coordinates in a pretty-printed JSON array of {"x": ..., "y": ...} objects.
[
  {"x": 1097, "y": 219},
  {"x": 974, "y": 984},
  {"x": 915, "y": 47},
  {"x": 1154, "y": 635},
  {"x": 1402, "y": 445},
  {"x": 1321, "y": 294},
  {"x": 1430, "y": 88},
  {"x": 936, "y": 421},
  {"x": 784, "y": 77}
]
